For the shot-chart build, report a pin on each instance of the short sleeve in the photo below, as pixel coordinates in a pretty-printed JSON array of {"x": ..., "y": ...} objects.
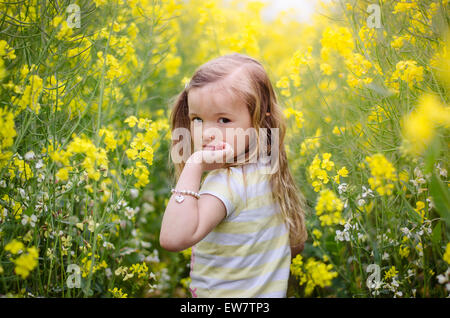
[{"x": 216, "y": 184}]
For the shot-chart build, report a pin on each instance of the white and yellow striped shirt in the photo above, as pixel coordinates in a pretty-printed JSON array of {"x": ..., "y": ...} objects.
[{"x": 248, "y": 253}]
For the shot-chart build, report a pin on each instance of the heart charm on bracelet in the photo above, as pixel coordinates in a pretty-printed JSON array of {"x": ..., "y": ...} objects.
[{"x": 179, "y": 198}]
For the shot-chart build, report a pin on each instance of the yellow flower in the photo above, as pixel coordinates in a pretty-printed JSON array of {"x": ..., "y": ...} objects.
[
  {"x": 329, "y": 208},
  {"x": 14, "y": 246},
  {"x": 283, "y": 82},
  {"x": 446, "y": 256},
  {"x": 343, "y": 172},
  {"x": 63, "y": 173},
  {"x": 338, "y": 130},
  {"x": 326, "y": 68},
  {"x": 296, "y": 265},
  {"x": 26, "y": 262},
  {"x": 7, "y": 134},
  {"x": 317, "y": 235},
  {"x": 420, "y": 209},
  {"x": 403, "y": 251},
  {"x": 31, "y": 95},
  {"x": 117, "y": 293},
  {"x": 404, "y": 6},
  {"x": 110, "y": 141},
  {"x": 407, "y": 71},
  {"x": 391, "y": 273},
  {"x": 311, "y": 143},
  {"x": 419, "y": 127},
  {"x": 326, "y": 162},
  {"x": 397, "y": 42},
  {"x": 314, "y": 273},
  {"x": 298, "y": 115},
  {"x": 172, "y": 64},
  {"x": 318, "y": 170},
  {"x": 383, "y": 174}
]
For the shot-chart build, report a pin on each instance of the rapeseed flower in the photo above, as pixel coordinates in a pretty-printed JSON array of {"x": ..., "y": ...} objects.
[
  {"x": 408, "y": 72},
  {"x": 15, "y": 206},
  {"x": 419, "y": 127},
  {"x": 298, "y": 115},
  {"x": 314, "y": 273},
  {"x": 446, "y": 256},
  {"x": 110, "y": 141},
  {"x": 30, "y": 95},
  {"x": 7, "y": 134},
  {"x": 14, "y": 246},
  {"x": 118, "y": 293},
  {"x": 310, "y": 143},
  {"x": 329, "y": 208},
  {"x": 26, "y": 262},
  {"x": 391, "y": 273},
  {"x": 383, "y": 174}
]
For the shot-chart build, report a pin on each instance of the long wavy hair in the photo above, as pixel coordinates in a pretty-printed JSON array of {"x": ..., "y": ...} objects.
[{"x": 255, "y": 89}]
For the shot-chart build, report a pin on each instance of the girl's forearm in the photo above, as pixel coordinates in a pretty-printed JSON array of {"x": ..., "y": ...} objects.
[{"x": 180, "y": 220}]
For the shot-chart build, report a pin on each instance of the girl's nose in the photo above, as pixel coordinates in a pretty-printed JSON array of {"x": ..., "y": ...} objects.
[{"x": 210, "y": 135}]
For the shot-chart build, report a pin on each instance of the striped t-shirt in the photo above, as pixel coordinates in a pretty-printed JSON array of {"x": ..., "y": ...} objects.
[{"x": 248, "y": 253}]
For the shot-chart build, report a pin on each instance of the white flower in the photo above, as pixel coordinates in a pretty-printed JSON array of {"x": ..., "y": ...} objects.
[
  {"x": 406, "y": 231},
  {"x": 108, "y": 245},
  {"x": 2, "y": 183},
  {"x": 29, "y": 155},
  {"x": 67, "y": 186},
  {"x": 134, "y": 193},
  {"x": 147, "y": 207},
  {"x": 3, "y": 214},
  {"x": 342, "y": 236},
  {"x": 394, "y": 282},
  {"x": 130, "y": 212},
  {"x": 385, "y": 256},
  {"x": 442, "y": 279},
  {"x": 345, "y": 203},
  {"x": 39, "y": 164},
  {"x": 361, "y": 202},
  {"x": 367, "y": 192},
  {"x": 399, "y": 294},
  {"x": 342, "y": 188},
  {"x": 29, "y": 219},
  {"x": 22, "y": 193},
  {"x": 442, "y": 171}
]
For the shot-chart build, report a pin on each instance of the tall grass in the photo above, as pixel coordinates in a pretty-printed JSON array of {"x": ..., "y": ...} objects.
[{"x": 84, "y": 137}]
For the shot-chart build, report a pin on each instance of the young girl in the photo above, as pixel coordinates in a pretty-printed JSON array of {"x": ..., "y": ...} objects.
[{"x": 247, "y": 220}]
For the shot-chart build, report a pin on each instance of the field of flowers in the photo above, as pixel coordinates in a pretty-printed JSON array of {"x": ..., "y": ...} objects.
[{"x": 85, "y": 95}]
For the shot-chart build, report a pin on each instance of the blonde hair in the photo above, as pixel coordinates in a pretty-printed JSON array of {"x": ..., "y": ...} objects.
[{"x": 254, "y": 87}]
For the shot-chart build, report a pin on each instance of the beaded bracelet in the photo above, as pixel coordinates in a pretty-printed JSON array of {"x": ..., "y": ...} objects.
[{"x": 180, "y": 198}]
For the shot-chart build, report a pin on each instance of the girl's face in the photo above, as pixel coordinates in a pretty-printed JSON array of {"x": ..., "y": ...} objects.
[{"x": 216, "y": 117}]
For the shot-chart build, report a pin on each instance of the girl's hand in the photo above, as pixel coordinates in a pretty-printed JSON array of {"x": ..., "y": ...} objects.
[{"x": 213, "y": 157}]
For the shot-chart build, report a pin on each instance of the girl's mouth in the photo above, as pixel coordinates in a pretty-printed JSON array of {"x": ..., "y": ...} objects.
[{"x": 215, "y": 146}]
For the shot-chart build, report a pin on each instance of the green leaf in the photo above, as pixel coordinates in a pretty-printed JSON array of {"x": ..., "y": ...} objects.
[
  {"x": 436, "y": 235},
  {"x": 441, "y": 197},
  {"x": 432, "y": 153}
]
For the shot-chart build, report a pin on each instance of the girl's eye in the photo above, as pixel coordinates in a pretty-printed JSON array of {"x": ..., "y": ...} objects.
[
  {"x": 193, "y": 119},
  {"x": 225, "y": 119}
]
